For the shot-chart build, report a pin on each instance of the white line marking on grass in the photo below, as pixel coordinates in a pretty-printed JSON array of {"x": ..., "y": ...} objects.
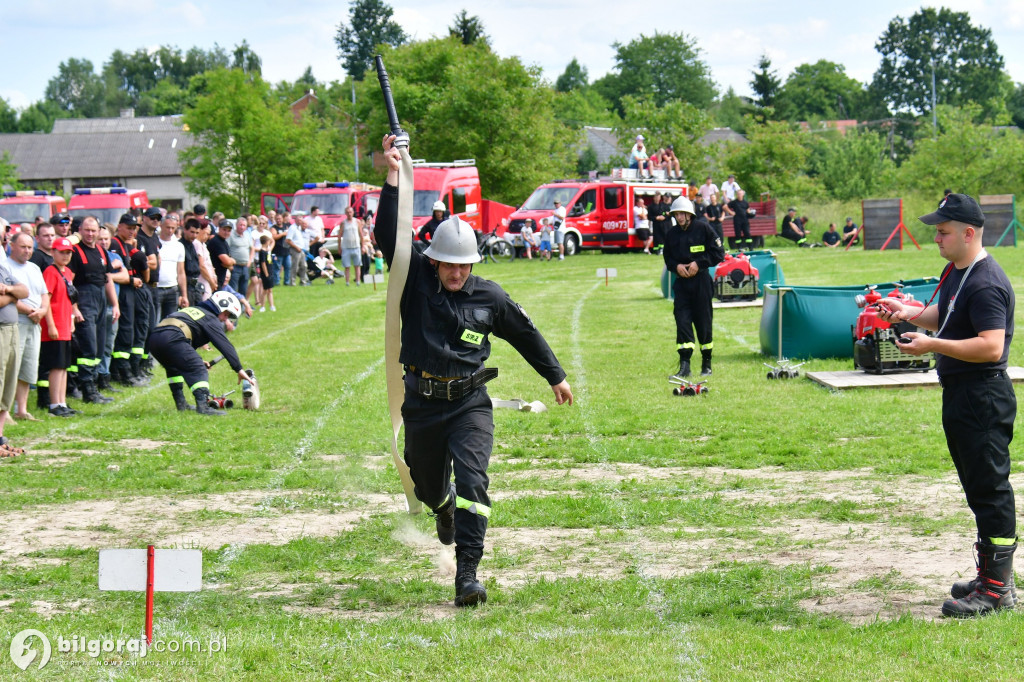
[
  {"x": 686, "y": 648},
  {"x": 308, "y": 320}
]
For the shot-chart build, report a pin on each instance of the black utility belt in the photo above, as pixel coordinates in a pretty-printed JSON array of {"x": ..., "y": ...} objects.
[
  {"x": 454, "y": 389},
  {"x": 192, "y": 281},
  {"x": 962, "y": 378}
]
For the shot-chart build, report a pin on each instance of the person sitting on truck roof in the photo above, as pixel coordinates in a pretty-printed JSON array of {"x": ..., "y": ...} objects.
[
  {"x": 670, "y": 163},
  {"x": 638, "y": 158},
  {"x": 439, "y": 215}
]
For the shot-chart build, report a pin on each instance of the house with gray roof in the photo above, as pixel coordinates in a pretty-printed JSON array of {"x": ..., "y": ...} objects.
[{"x": 140, "y": 153}]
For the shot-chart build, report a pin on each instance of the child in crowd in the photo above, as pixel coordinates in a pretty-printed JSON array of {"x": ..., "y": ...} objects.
[
  {"x": 263, "y": 269},
  {"x": 55, "y": 354},
  {"x": 378, "y": 263},
  {"x": 545, "y": 238},
  {"x": 527, "y": 234}
]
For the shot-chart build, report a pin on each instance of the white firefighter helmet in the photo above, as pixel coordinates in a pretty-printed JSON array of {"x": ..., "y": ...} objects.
[
  {"x": 682, "y": 204},
  {"x": 439, "y": 206},
  {"x": 228, "y": 303},
  {"x": 454, "y": 242}
]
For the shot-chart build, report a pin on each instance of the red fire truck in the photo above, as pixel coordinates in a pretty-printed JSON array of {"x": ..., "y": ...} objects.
[
  {"x": 22, "y": 206},
  {"x": 332, "y": 198},
  {"x": 107, "y": 204},
  {"x": 457, "y": 185},
  {"x": 599, "y": 213}
]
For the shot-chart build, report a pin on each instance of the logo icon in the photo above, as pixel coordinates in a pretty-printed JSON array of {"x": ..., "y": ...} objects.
[{"x": 23, "y": 654}]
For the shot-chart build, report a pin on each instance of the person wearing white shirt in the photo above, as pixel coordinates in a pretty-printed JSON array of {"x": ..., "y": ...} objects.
[
  {"x": 707, "y": 189},
  {"x": 171, "y": 285},
  {"x": 299, "y": 245},
  {"x": 31, "y": 311},
  {"x": 730, "y": 187}
]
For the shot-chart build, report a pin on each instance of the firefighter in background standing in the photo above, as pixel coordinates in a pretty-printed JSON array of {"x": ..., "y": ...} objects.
[
  {"x": 691, "y": 248},
  {"x": 120, "y": 359},
  {"x": 148, "y": 308},
  {"x": 448, "y": 315},
  {"x": 93, "y": 279}
]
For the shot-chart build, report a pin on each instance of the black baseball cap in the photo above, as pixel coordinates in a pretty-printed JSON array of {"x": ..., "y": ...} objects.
[
  {"x": 153, "y": 213},
  {"x": 128, "y": 219},
  {"x": 225, "y": 223},
  {"x": 959, "y": 207},
  {"x": 199, "y": 209},
  {"x": 59, "y": 218}
]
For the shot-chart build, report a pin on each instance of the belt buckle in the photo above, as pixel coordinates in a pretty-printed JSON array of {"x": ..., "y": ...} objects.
[
  {"x": 448, "y": 390},
  {"x": 427, "y": 392}
]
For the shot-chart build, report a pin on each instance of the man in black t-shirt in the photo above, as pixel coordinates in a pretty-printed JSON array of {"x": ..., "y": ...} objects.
[
  {"x": 43, "y": 254},
  {"x": 739, "y": 209},
  {"x": 831, "y": 238},
  {"x": 220, "y": 253},
  {"x": 657, "y": 214},
  {"x": 974, "y": 324},
  {"x": 713, "y": 214},
  {"x": 792, "y": 229},
  {"x": 851, "y": 233}
]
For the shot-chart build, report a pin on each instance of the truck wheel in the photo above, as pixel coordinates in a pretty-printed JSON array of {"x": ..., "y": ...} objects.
[
  {"x": 501, "y": 251},
  {"x": 572, "y": 244}
]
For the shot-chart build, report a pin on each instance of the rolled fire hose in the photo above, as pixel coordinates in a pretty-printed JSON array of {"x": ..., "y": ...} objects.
[{"x": 396, "y": 286}]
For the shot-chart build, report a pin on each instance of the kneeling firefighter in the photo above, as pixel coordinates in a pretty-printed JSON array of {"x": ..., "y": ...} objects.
[
  {"x": 174, "y": 341},
  {"x": 692, "y": 247},
  {"x": 447, "y": 316}
]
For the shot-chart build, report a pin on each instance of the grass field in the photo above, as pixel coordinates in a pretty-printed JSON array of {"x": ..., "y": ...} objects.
[{"x": 766, "y": 530}]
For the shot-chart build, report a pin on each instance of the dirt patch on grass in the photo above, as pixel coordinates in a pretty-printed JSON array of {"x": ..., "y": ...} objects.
[{"x": 173, "y": 522}]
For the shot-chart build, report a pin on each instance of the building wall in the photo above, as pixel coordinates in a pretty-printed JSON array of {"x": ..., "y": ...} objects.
[{"x": 168, "y": 190}]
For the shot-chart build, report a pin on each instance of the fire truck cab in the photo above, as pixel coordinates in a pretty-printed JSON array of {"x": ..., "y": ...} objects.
[
  {"x": 107, "y": 204},
  {"x": 457, "y": 184},
  {"x": 599, "y": 213},
  {"x": 332, "y": 198},
  {"x": 22, "y": 206}
]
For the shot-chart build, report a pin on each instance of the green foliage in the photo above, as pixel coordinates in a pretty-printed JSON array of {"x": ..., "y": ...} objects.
[
  {"x": 765, "y": 83},
  {"x": 773, "y": 160},
  {"x": 247, "y": 142},
  {"x": 854, "y": 165},
  {"x": 678, "y": 123},
  {"x": 966, "y": 156},
  {"x": 587, "y": 161},
  {"x": 583, "y": 107},
  {"x": 463, "y": 101},
  {"x": 967, "y": 62},
  {"x": 369, "y": 27},
  {"x": 730, "y": 110},
  {"x": 76, "y": 90},
  {"x": 8, "y": 117},
  {"x": 468, "y": 29},
  {"x": 820, "y": 91},
  {"x": 662, "y": 67},
  {"x": 246, "y": 60},
  {"x": 573, "y": 78},
  {"x": 8, "y": 172}
]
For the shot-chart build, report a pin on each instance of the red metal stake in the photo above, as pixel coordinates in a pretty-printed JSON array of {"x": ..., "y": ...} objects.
[{"x": 150, "y": 555}]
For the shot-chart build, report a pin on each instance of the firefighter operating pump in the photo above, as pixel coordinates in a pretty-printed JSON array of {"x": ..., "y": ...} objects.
[
  {"x": 876, "y": 342},
  {"x": 735, "y": 279}
]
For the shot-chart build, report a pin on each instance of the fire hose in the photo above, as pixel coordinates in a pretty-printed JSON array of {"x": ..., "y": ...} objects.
[{"x": 396, "y": 285}]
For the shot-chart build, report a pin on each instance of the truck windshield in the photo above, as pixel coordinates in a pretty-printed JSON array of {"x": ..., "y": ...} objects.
[
  {"x": 423, "y": 202},
  {"x": 543, "y": 198},
  {"x": 102, "y": 215},
  {"x": 23, "y": 213},
  {"x": 329, "y": 204}
]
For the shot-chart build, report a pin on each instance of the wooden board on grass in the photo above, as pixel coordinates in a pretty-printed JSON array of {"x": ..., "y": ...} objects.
[
  {"x": 756, "y": 303},
  {"x": 859, "y": 379}
]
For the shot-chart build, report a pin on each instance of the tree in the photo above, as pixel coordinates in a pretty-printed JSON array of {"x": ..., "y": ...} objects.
[
  {"x": 369, "y": 26},
  {"x": 573, "y": 78},
  {"x": 8, "y": 171},
  {"x": 970, "y": 157},
  {"x": 578, "y": 108},
  {"x": 463, "y": 101},
  {"x": 774, "y": 160},
  {"x": 247, "y": 142},
  {"x": 8, "y": 117},
  {"x": 730, "y": 111},
  {"x": 765, "y": 84},
  {"x": 39, "y": 117},
  {"x": 967, "y": 63},
  {"x": 662, "y": 67},
  {"x": 819, "y": 91},
  {"x": 468, "y": 29},
  {"x": 76, "y": 89},
  {"x": 854, "y": 165},
  {"x": 246, "y": 60}
]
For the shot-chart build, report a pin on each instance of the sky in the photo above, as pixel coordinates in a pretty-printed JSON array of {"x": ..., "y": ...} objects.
[{"x": 40, "y": 34}]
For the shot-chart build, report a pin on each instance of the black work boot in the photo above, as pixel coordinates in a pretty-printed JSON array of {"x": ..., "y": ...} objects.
[
  {"x": 468, "y": 591},
  {"x": 91, "y": 395},
  {"x": 134, "y": 373},
  {"x": 444, "y": 519},
  {"x": 993, "y": 589},
  {"x": 202, "y": 396},
  {"x": 43, "y": 397},
  {"x": 178, "y": 391},
  {"x": 103, "y": 384},
  {"x": 684, "y": 368},
  {"x": 705, "y": 364},
  {"x": 74, "y": 390}
]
